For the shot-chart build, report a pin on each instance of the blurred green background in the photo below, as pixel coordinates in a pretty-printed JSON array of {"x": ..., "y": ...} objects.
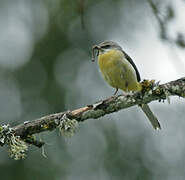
[{"x": 45, "y": 67}]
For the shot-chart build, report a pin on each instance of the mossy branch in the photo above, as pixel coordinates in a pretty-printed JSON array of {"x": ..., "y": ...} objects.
[{"x": 67, "y": 121}]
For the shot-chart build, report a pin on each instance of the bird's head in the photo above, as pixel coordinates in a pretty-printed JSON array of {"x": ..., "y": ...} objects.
[{"x": 104, "y": 47}]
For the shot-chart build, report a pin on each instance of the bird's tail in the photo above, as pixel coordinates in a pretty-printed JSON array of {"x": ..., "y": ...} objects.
[{"x": 155, "y": 123}]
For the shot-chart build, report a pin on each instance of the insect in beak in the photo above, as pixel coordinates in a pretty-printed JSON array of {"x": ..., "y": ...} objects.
[{"x": 95, "y": 47}]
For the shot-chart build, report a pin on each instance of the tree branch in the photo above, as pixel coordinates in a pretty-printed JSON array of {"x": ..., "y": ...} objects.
[
  {"x": 150, "y": 92},
  {"x": 102, "y": 108}
]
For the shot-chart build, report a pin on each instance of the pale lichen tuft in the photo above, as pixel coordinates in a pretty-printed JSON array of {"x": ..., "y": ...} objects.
[
  {"x": 67, "y": 127},
  {"x": 167, "y": 94},
  {"x": 17, "y": 147},
  {"x": 4, "y": 130}
]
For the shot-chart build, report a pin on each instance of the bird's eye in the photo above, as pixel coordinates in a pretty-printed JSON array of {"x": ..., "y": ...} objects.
[{"x": 107, "y": 46}]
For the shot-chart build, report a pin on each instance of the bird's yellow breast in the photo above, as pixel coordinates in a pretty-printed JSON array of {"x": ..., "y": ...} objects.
[{"x": 117, "y": 71}]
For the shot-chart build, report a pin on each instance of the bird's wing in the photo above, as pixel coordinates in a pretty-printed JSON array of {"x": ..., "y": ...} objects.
[{"x": 134, "y": 66}]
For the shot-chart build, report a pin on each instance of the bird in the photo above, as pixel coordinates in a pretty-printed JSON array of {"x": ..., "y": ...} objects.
[{"x": 120, "y": 72}]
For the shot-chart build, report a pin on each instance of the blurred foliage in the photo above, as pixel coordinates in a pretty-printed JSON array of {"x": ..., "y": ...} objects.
[{"x": 165, "y": 15}]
